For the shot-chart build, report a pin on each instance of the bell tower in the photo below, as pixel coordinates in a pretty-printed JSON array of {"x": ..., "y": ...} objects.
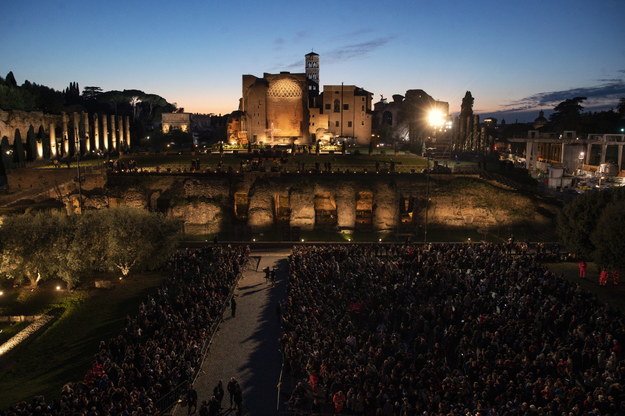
[
  {"x": 312, "y": 67},
  {"x": 312, "y": 74}
]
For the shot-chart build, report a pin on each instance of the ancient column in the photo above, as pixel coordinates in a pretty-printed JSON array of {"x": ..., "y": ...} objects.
[
  {"x": 105, "y": 132},
  {"x": 65, "y": 134},
  {"x": 76, "y": 130},
  {"x": 96, "y": 132},
  {"x": 120, "y": 132},
  {"x": 604, "y": 150},
  {"x": 113, "y": 133},
  {"x": 87, "y": 135},
  {"x": 52, "y": 136},
  {"x": 127, "y": 132}
]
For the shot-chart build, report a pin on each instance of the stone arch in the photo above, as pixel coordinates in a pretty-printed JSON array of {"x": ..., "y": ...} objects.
[
  {"x": 43, "y": 143},
  {"x": 31, "y": 145},
  {"x": 7, "y": 151},
  {"x": 282, "y": 208},
  {"x": 71, "y": 139},
  {"x": 325, "y": 210},
  {"x": 19, "y": 157},
  {"x": 364, "y": 209},
  {"x": 58, "y": 133}
]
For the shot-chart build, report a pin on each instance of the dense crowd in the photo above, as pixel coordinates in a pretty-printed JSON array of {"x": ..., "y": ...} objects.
[
  {"x": 445, "y": 329},
  {"x": 159, "y": 348}
]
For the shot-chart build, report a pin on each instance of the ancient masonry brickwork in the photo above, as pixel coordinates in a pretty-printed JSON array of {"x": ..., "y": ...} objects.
[
  {"x": 344, "y": 202},
  {"x": 65, "y": 134}
]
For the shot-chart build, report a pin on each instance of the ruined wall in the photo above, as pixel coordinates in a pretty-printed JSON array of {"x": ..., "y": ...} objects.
[
  {"x": 55, "y": 131},
  {"x": 206, "y": 203}
]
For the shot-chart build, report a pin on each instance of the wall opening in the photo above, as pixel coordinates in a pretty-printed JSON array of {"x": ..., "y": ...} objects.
[
  {"x": 364, "y": 209},
  {"x": 407, "y": 209},
  {"x": 282, "y": 208},
  {"x": 241, "y": 205},
  {"x": 325, "y": 210}
]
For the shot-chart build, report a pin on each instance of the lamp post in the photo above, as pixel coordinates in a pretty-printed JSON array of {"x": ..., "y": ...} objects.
[
  {"x": 427, "y": 198},
  {"x": 581, "y": 160},
  {"x": 77, "y": 150}
]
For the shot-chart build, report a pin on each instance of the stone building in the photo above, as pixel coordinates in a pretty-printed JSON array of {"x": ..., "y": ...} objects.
[
  {"x": 348, "y": 110},
  {"x": 34, "y": 135},
  {"x": 409, "y": 117},
  {"x": 288, "y": 108},
  {"x": 176, "y": 121}
]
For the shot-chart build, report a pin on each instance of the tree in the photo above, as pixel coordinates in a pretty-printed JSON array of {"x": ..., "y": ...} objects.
[
  {"x": 30, "y": 244},
  {"x": 10, "y": 80},
  {"x": 620, "y": 108},
  {"x": 136, "y": 239},
  {"x": 133, "y": 102},
  {"x": 609, "y": 237},
  {"x": 18, "y": 150},
  {"x": 567, "y": 114},
  {"x": 578, "y": 220},
  {"x": 91, "y": 93}
]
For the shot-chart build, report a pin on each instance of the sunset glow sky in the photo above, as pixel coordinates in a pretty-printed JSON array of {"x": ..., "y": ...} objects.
[{"x": 513, "y": 56}]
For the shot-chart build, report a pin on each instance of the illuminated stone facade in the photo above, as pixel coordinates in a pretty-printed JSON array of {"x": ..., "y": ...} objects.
[
  {"x": 287, "y": 108},
  {"x": 50, "y": 136},
  {"x": 347, "y": 108},
  {"x": 176, "y": 121},
  {"x": 274, "y": 109}
]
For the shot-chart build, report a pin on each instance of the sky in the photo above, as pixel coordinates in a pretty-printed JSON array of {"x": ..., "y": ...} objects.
[{"x": 515, "y": 56}]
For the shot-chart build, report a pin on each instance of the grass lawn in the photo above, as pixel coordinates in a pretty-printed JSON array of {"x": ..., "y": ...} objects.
[
  {"x": 65, "y": 350},
  {"x": 613, "y": 295},
  {"x": 8, "y": 329}
]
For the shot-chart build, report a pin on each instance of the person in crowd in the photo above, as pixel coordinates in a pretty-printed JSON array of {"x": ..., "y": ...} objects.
[
  {"x": 160, "y": 348},
  {"x": 447, "y": 329},
  {"x": 232, "y": 387}
]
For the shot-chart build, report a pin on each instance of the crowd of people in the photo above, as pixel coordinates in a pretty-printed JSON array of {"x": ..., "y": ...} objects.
[
  {"x": 478, "y": 329},
  {"x": 160, "y": 348}
]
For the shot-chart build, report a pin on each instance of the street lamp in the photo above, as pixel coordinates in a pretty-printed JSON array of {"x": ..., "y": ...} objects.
[
  {"x": 581, "y": 160},
  {"x": 427, "y": 198}
]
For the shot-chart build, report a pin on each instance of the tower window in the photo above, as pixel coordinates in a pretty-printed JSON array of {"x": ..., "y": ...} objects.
[
  {"x": 336, "y": 123},
  {"x": 328, "y": 106},
  {"x": 337, "y": 106},
  {"x": 345, "y": 106},
  {"x": 349, "y": 124}
]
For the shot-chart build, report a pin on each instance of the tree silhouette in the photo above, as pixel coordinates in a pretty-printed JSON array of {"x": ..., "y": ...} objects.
[
  {"x": 10, "y": 80},
  {"x": 567, "y": 115}
]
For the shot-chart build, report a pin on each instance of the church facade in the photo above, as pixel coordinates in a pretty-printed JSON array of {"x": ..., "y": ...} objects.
[{"x": 287, "y": 108}]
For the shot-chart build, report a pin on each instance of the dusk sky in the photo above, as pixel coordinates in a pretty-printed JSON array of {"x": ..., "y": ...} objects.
[{"x": 512, "y": 55}]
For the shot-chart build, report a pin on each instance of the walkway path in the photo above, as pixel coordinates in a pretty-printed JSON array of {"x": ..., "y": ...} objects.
[{"x": 246, "y": 346}]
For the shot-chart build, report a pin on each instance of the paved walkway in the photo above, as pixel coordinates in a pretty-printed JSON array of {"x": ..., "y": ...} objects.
[{"x": 246, "y": 347}]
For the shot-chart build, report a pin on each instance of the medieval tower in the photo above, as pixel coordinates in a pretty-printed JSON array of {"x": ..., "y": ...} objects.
[{"x": 312, "y": 73}]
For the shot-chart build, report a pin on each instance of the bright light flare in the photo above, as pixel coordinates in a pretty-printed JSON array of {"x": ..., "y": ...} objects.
[{"x": 436, "y": 118}]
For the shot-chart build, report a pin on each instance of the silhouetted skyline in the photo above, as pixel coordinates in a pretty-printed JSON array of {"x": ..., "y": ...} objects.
[{"x": 512, "y": 56}]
